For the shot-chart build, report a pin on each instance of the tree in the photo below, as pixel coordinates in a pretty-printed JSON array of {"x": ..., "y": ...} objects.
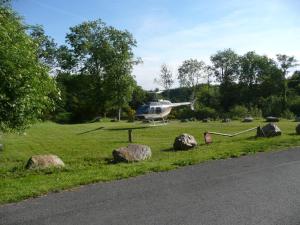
[
  {"x": 191, "y": 72},
  {"x": 26, "y": 90},
  {"x": 139, "y": 97},
  {"x": 225, "y": 65},
  {"x": 47, "y": 48},
  {"x": 255, "y": 72},
  {"x": 285, "y": 63},
  {"x": 165, "y": 78},
  {"x": 105, "y": 52},
  {"x": 226, "y": 70},
  {"x": 294, "y": 83}
]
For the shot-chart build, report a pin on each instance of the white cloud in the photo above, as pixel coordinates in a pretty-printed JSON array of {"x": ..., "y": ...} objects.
[{"x": 245, "y": 28}]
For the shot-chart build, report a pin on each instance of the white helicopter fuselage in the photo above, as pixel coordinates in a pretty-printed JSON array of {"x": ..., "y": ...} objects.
[{"x": 158, "y": 110}]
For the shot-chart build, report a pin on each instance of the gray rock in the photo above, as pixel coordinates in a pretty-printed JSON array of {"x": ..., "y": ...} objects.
[
  {"x": 269, "y": 130},
  {"x": 184, "y": 142},
  {"x": 226, "y": 120},
  {"x": 298, "y": 129},
  {"x": 205, "y": 120},
  {"x": 44, "y": 161},
  {"x": 248, "y": 119},
  {"x": 272, "y": 119},
  {"x": 132, "y": 153}
]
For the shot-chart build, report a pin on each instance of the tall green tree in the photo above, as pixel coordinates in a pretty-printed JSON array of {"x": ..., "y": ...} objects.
[
  {"x": 226, "y": 70},
  {"x": 191, "y": 73},
  {"x": 47, "y": 48},
  {"x": 107, "y": 53},
  {"x": 26, "y": 90},
  {"x": 165, "y": 78},
  {"x": 257, "y": 75},
  {"x": 225, "y": 65},
  {"x": 285, "y": 63}
]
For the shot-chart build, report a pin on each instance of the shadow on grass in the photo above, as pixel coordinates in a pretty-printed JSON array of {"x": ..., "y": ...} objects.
[
  {"x": 85, "y": 132},
  {"x": 253, "y": 138},
  {"x": 110, "y": 161},
  {"x": 191, "y": 149},
  {"x": 126, "y": 128},
  {"x": 168, "y": 150}
]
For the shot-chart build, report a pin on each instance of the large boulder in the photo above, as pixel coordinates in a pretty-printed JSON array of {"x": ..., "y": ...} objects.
[
  {"x": 298, "y": 129},
  {"x": 269, "y": 130},
  {"x": 184, "y": 142},
  {"x": 226, "y": 120},
  {"x": 132, "y": 153},
  {"x": 272, "y": 119},
  {"x": 184, "y": 120},
  {"x": 205, "y": 120},
  {"x": 44, "y": 161},
  {"x": 248, "y": 119}
]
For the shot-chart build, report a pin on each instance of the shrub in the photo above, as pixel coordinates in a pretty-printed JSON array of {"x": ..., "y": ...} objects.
[
  {"x": 206, "y": 112},
  {"x": 184, "y": 113},
  {"x": 131, "y": 114},
  {"x": 255, "y": 112},
  {"x": 295, "y": 106},
  {"x": 287, "y": 114},
  {"x": 272, "y": 106},
  {"x": 238, "y": 112},
  {"x": 63, "y": 117}
]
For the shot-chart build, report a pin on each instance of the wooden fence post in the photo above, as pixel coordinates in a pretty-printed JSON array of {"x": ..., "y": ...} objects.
[{"x": 129, "y": 135}]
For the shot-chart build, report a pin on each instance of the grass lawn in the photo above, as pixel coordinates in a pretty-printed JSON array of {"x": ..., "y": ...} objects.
[{"x": 86, "y": 150}]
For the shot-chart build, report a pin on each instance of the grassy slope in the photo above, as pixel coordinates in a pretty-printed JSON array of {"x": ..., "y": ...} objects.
[{"x": 86, "y": 150}]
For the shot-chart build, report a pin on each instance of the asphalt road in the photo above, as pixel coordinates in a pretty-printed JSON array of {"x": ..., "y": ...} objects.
[{"x": 257, "y": 189}]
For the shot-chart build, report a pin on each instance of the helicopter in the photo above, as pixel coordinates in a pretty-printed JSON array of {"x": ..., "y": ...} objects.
[{"x": 159, "y": 110}]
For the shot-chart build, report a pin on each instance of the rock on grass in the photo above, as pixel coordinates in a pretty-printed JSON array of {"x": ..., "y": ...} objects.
[
  {"x": 44, "y": 161},
  {"x": 184, "y": 142},
  {"x": 132, "y": 153},
  {"x": 269, "y": 130}
]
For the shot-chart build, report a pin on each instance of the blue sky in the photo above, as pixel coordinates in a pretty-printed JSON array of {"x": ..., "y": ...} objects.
[{"x": 172, "y": 31}]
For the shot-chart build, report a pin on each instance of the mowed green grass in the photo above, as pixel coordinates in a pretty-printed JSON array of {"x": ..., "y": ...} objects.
[{"x": 87, "y": 149}]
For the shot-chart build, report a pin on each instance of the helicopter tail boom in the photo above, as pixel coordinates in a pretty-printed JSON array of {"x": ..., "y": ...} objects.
[{"x": 184, "y": 103}]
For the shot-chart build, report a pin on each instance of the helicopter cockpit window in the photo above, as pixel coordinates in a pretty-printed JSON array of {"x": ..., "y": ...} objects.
[
  {"x": 152, "y": 110},
  {"x": 157, "y": 110},
  {"x": 143, "y": 109}
]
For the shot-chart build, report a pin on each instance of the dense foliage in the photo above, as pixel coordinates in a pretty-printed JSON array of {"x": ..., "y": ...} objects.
[
  {"x": 249, "y": 84},
  {"x": 95, "y": 70},
  {"x": 26, "y": 90}
]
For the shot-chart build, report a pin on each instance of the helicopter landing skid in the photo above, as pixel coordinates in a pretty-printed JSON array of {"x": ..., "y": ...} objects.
[{"x": 158, "y": 123}]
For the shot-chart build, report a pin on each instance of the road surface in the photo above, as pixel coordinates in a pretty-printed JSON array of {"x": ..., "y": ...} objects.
[{"x": 259, "y": 189}]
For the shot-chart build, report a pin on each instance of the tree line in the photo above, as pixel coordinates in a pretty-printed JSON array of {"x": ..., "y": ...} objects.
[{"x": 243, "y": 85}]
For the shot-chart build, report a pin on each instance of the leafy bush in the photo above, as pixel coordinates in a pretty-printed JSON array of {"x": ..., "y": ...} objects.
[
  {"x": 206, "y": 112},
  {"x": 238, "y": 112},
  {"x": 184, "y": 113},
  {"x": 271, "y": 106},
  {"x": 287, "y": 114},
  {"x": 131, "y": 114},
  {"x": 295, "y": 106},
  {"x": 63, "y": 117},
  {"x": 255, "y": 112}
]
